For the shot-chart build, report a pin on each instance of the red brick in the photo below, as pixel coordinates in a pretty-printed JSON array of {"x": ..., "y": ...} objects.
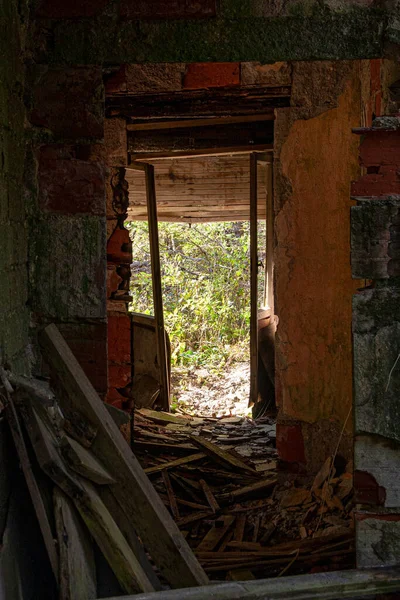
[
  {"x": 173, "y": 9},
  {"x": 70, "y": 9},
  {"x": 88, "y": 343},
  {"x": 119, "y": 339},
  {"x": 69, "y": 102},
  {"x": 119, "y": 247},
  {"x": 119, "y": 376},
  {"x": 380, "y": 148},
  {"x": 290, "y": 443},
  {"x": 68, "y": 185},
  {"x": 385, "y": 182},
  {"x": 116, "y": 82},
  {"x": 211, "y": 75},
  {"x": 113, "y": 280}
]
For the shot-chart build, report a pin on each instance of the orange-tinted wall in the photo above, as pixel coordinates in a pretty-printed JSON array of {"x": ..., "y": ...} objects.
[{"x": 316, "y": 160}]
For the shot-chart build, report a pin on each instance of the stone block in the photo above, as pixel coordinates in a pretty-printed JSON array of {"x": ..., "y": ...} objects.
[
  {"x": 68, "y": 267},
  {"x": 119, "y": 247},
  {"x": 88, "y": 342},
  {"x": 290, "y": 442},
  {"x": 68, "y": 185},
  {"x": 73, "y": 9},
  {"x": 375, "y": 238},
  {"x": 115, "y": 141},
  {"x": 119, "y": 339},
  {"x": 69, "y": 102},
  {"x": 161, "y": 77},
  {"x": 376, "y": 340},
  {"x": 376, "y": 464},
  {"x": 211, "y": 75},
  {"x": 271, "y": 75},
  {"x": 173, "y": 9},
  {"x": 377, "y": 540}
]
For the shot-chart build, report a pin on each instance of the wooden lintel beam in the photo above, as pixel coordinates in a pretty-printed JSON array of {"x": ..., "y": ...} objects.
[
  {"x": 179, "y": 124},
  {"x": 205, "y": 152}
]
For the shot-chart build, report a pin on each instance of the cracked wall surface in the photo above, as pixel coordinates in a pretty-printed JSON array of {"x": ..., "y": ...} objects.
[{"x": 316, "y": 158}]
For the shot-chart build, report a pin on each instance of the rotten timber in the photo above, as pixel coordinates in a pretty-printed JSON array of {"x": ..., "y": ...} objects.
[{"x": 199, "y": 104}]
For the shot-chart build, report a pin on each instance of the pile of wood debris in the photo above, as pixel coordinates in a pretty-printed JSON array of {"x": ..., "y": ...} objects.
[
  {"x": 221, "y": 481},
  {"x": 214, "y": 504}
]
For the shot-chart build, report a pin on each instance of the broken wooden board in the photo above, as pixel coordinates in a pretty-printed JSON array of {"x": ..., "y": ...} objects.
[
  {"x": 84, "y": 462},
  {"x": 133, "y": 490},
  {"x": 97, "y": 518},
  {"x": 247, "y": 490},
  {"x": 175, "y": 463},
  {"x": 220, "y": 455},
  {"x": 77, "y": 565},
  {"x": 215, "y": 534},
  {"x": 163, "y": 418},
  {"x": 34, "y": 491}
]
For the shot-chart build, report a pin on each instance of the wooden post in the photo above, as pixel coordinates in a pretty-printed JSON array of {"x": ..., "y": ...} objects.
[
  {"x": 269, "y": 296},
  {"x": 253, "y": 281},
  {"x": 156, "y": 279}
]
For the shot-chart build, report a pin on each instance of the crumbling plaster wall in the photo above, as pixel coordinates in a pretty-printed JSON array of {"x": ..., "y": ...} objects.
[{"x": 316, "y": 158}]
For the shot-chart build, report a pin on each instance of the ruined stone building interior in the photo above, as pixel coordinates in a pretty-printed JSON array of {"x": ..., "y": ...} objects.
[{"x": 116, "y": 111}]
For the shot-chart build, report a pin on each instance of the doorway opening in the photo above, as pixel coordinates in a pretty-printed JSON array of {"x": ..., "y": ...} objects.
[{"x": 205, "y": 269}]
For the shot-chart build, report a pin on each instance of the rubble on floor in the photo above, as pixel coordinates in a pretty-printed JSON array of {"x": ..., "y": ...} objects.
[
  {"x": 242, "y": 516},
  {"x": 215, "y": 483}
]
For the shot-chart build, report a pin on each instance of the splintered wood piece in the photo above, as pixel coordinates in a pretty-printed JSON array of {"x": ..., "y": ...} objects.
[
  {"x": 209, "y": 495},
  {"x": 129, "y": 533},
  {"x": 99, "y": 521},
  {"x": 247, "y": 490},
  {"x": 221, "y": 455},
  {"x": 215, "y": 534},
  {"x": 163, "y": 417},
  {"x": 256, "y": 529},
  {"x": 244, "y": 545},
  {"x": 198, "y": 516},
  {"x": 182, "y": 482},
  {"x": 323, "y": 473},
  {"x": 171, "y": 495},
  {"x": 77, "y": 566},
  {"x": 175, "y": 463},
  {"x": 239, "y": 527},
  {"x": 84, "y": 462},
  {"x": 226, "y": 541},
  {"x": 133, "y": 489},
  {"x": 34, "y": 491}
]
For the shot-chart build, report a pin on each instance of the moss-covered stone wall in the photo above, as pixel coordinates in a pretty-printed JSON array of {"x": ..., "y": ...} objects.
[{"x": 112, "y": 32}]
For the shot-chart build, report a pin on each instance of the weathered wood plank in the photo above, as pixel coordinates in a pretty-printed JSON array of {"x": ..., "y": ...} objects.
[
  {"x": 319, "y": 586},
  {"x": 175, "y": 463},
  {"x": 84, "y": 462},
  {"x": 127, "y": 529},
  {"x": 170, "y": 141},
  {"x": 77, "y": 566},
  {"x": 221, "y": 455},
  {"x": 133, "y": 490},
  {"x": 202, "y": 103},
  {"x": 97, "y": 518},
  {"x": 31, "y": 482},
  {"x": 215, "y": 534}
]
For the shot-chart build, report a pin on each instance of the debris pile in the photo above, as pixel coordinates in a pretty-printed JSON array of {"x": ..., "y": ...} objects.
[
  {"x": 214, "y": 504},
  {"x": 221, "y": 481}
]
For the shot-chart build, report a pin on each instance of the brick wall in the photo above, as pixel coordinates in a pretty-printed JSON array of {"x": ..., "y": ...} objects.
[{"x": 68, "y": 211}]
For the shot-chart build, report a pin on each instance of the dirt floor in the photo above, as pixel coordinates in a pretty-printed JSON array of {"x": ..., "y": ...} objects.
[{"x": 200, "y": 391}]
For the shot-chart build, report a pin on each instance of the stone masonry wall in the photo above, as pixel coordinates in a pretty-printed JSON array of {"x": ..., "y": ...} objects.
[
  {"x": 66, "y": 183},
  {"x": 375, "y": 238}
]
